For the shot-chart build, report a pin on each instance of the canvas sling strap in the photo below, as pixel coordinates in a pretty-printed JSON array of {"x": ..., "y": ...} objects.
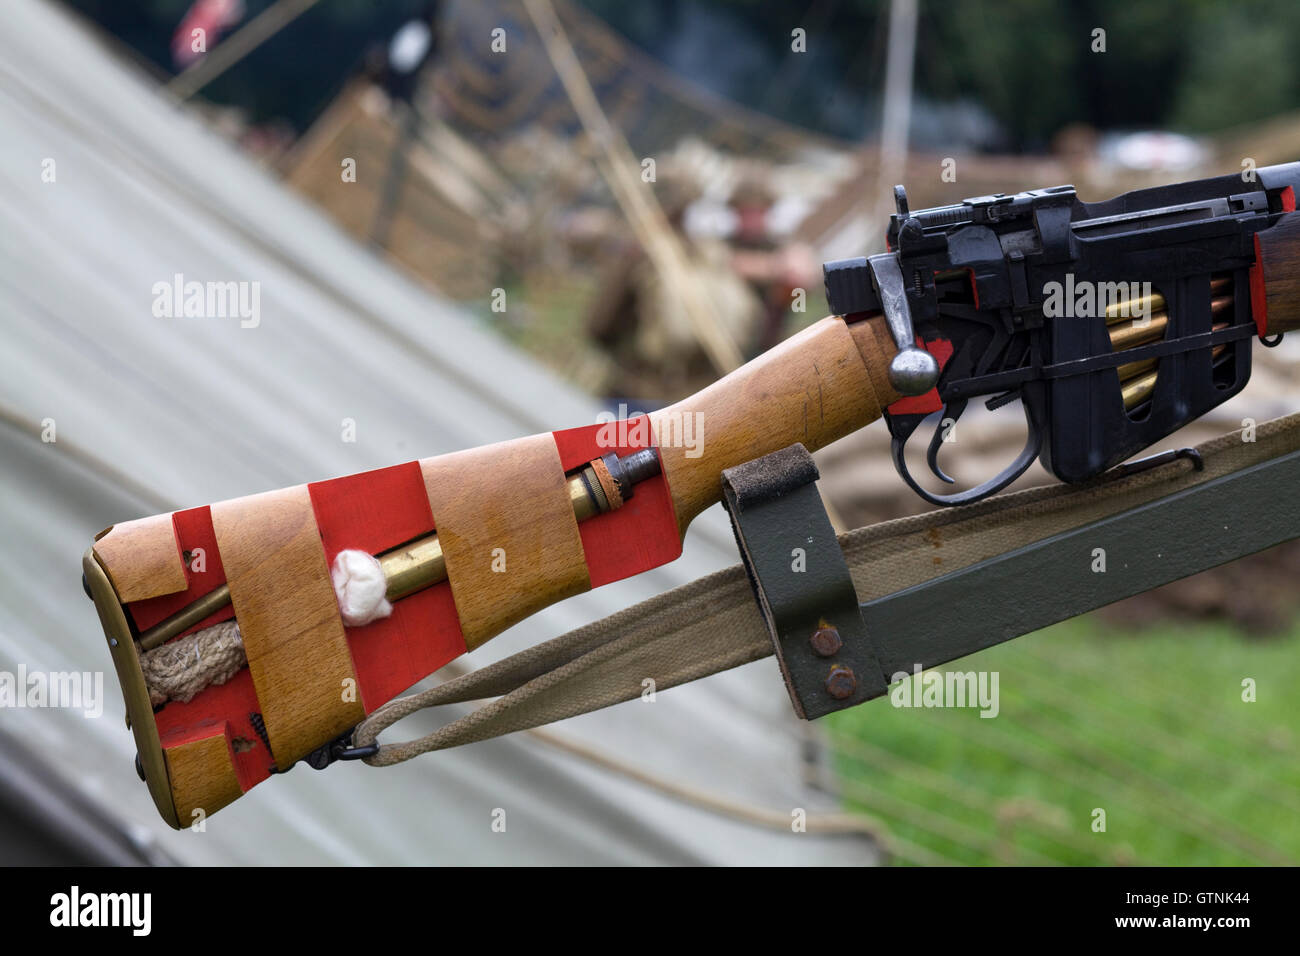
[{"x": 1013, "y": 561}]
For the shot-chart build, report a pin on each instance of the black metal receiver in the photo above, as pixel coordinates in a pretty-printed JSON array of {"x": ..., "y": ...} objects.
[{"x": 1115, "y": 323}]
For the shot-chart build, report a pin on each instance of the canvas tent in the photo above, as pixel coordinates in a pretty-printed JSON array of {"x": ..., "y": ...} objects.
[{"x": 107, "y": 188}]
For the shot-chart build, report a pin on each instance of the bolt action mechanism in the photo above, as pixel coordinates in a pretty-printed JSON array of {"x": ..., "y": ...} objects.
[
  {"x": 913, "y": 371},
  {"x": 877, "y": 283}
]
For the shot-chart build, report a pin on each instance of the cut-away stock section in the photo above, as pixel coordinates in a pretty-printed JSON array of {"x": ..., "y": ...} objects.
[{"x": 471, "y": 543}]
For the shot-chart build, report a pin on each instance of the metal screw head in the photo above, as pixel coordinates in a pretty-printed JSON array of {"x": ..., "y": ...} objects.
[
  {"x": 826, "y": 641},
  {"x": 841, "y": 682}
]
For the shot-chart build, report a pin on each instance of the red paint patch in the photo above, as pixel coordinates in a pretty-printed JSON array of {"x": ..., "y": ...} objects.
[
  {"x": 975, "y": 294},
  {"x": 1258, "y": 304},
  {"x": 375, "y": 511},
  {"x": 638, "y": 536},
  {"x": 229, "y": 703},
  {"x": 941, "y": 349},
  {"x": 193, "y": 531}
]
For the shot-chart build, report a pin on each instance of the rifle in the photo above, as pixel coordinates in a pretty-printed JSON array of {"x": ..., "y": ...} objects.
[{"x": 253, "y": 633}]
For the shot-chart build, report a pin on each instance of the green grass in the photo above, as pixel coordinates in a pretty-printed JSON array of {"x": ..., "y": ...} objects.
[{"x": 1149, "y": 727}]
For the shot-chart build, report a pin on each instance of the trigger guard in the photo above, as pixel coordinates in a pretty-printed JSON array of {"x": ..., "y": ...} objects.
[{"x": 1033, "y": 445}]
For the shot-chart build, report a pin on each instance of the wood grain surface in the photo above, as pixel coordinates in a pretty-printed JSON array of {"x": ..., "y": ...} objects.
[
  {"x": 202, "y": 775},
  {"x": 142, "y": 558},
  {"x": 506, "y": 524},
  {"x": 1277, "y": 252},
  {"x": 815, "y": 387},
  {"x": 289, "y": 618}
]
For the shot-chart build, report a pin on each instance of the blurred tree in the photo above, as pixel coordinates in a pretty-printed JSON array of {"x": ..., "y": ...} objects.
[
  {"x": 1029, "y": 63},
  {"x": 1198, "y": 65},
  {"x": 1240, "y": 65}
]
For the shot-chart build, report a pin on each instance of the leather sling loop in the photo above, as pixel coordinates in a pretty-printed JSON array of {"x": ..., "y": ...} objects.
[
  {"x": 713, "y": 624},
  {"x": 801, "y": 583}
]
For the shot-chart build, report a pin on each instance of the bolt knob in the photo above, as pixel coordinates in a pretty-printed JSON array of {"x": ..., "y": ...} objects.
[{"x": 913, "y": 371}]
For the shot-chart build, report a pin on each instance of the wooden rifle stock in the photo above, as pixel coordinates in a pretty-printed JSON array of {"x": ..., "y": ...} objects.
[
  {"x": 508, "y": 540},
  {"x": 1275, "y": 277}
]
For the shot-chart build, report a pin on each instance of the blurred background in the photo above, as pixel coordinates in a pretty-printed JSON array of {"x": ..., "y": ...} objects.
[{"x": 467, "y": 205}]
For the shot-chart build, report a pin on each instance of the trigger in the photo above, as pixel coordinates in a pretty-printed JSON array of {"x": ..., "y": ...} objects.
[{"x": 950, "y": 413}]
